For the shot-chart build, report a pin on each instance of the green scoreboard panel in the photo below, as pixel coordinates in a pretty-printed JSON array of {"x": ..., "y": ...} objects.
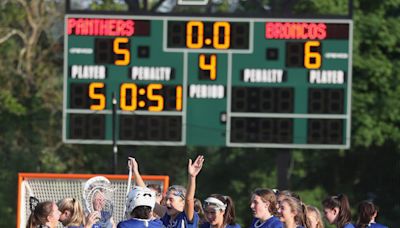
[{"x": 208, "y": 81}]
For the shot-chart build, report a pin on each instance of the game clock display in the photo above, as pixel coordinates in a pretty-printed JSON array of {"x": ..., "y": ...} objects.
[{"x": 236, "y": 82}]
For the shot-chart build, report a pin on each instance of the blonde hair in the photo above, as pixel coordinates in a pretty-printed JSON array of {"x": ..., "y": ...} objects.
[
  {"x": 300, "y": 210},
  {"x": 75, "y": 207},
  {"x": 310, "y": 208}
]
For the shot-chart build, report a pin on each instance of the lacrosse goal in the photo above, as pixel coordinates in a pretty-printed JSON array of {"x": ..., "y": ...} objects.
[{"x": 54, "y": 187}]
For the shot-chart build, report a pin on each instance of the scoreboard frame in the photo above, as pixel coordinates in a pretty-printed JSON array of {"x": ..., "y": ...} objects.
[{"x": 345, "y": 117}]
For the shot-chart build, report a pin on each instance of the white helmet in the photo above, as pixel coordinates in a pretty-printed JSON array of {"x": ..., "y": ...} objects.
[{"x": 140, "y": 196}]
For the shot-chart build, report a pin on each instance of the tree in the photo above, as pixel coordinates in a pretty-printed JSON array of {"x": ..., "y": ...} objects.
[{"x": 30, "y": 94}]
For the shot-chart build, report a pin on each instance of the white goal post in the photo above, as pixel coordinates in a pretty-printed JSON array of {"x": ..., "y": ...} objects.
[{"x": 55, "y": 186}]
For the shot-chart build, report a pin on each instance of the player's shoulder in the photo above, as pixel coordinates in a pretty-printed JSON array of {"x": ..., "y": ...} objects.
[
  {"x": 349, "y": 225},
  {"x": 377, "y": 225},
  {"x": 233, "y": 226},
  {"x": 274, "y": 222},
  {"x": 156, "y": 223},
  {"x": 140, "y": 223}
]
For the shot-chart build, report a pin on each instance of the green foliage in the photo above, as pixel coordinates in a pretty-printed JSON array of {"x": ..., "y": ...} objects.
[
  {"x": 109, "y": 5},
  {"x": 376, "y": 81},
  {"x": 326, "y": 7}
]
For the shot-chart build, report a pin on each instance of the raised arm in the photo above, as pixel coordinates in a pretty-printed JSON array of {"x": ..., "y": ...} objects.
[
  {"x": 193, "y": 170},
  {"x": 133, "y": 165}
]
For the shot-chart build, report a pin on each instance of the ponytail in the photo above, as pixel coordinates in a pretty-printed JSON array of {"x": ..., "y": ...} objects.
[
  {"x": 229, "y": 214},
  {"x": 75, "y": 207},
  {"x": 342, "y": 203},
  {"x": 304, "y": 218},
  {"x": 366, "y": 211},
  {"x": 39, "y": 214}
]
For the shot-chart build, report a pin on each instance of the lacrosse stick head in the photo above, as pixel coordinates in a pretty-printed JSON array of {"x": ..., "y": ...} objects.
[{"x": 98, "y": 195}]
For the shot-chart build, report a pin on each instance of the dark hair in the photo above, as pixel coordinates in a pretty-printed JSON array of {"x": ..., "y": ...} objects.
[
  {"x": 342, "y": 203},
  {"x": 156, "y": 187},
  {"x": 229, "y": 215},
  {"x": 267, "y": 195},
  {"x": 39, "y": 215},
  {"x": 141, "y": 212},
  {"x": 366, "y": 210}
]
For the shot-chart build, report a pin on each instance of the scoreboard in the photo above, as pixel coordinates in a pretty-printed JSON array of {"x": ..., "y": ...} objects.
[{"x": 207, "y": 81}]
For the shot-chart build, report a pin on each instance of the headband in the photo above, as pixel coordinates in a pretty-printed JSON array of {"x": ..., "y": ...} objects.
[{"x": 215, "y": 202}]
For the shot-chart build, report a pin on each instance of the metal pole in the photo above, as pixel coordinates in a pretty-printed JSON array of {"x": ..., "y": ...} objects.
[
  {"x": 283, "y": 164},
  {"x": 114, "y": 137},
  {"x": 350, "y": 12}
]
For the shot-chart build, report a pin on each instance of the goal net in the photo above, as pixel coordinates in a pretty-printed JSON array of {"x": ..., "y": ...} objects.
[{"x": 55, "y": 187}]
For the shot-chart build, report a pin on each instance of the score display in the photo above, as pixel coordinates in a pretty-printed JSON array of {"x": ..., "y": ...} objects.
[{"x": 237, "y": 82}]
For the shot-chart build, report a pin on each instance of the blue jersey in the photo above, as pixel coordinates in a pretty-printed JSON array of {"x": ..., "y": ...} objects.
[
  {"x": 207, "y": 225},
  {"x": 181, "y": 221},
  {"x": 105, "y": 220},
  {"x": 349, "y": 225},
  {"x": 140, "y": 223},
  {"x": 272, "y": 222},
  {"x": 103, "y": 224},
  {"x": 376, "y": 225}
]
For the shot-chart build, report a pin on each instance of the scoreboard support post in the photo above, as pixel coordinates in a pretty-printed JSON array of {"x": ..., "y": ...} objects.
[
  {"x": 283, "y": 161},
  {"x": 114, "y": 134}
]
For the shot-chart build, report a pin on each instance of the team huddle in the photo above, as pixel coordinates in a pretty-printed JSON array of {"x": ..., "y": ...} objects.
[{"x": 146, "y": 208}]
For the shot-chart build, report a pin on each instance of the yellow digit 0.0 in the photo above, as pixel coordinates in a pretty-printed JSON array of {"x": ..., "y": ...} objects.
[
  {"x": 310, "y": 55},
  {"x": 189, "y": 34},
  {"x": 227, "y": 35},
  {"x": 97, "y": 96},
  {"x": 123, "y": 99},
  {"x": 125, "y": 52},
  {"x": 212, "y": 66},
  {"x": 155, "y": 97}
]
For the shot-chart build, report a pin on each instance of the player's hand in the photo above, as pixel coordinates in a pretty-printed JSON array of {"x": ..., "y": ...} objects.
[
  {"x": 133, "y": 165},
  {"x": 195, "y": 167},
  {"x": 92, "y": 218}
]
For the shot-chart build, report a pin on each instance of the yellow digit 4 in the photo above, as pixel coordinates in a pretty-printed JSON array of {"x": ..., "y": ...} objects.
[
  {"x": 212, "y": 66},
  {"x": 125, "y": 52},
  {"x": 310, "y": 55},
  {"x": 155, "y": 97},
  {"x": 97, "y": 96}
]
